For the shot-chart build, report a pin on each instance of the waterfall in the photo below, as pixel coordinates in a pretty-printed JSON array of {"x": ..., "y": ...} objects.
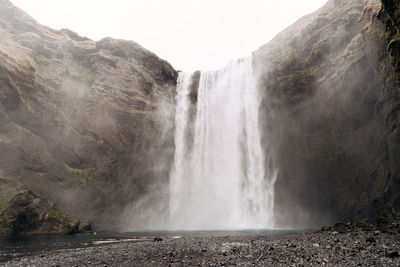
[{"x": 218, "y": 180}]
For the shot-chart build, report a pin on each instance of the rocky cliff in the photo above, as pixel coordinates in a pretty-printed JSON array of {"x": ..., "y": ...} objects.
[
  {"x": 87, "y": 127},
  {"x": 390, "y": 16},
  {"x": 330, "y": 109},
  {"x": 80, "y": 122}
]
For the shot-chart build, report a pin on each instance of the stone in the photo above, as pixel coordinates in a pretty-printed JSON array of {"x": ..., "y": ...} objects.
[
  {"x": 30, "y": 214},
  {"x": 370, "y": 240},
  {"x": 392, "y": 254},
  {"x": 85, "y": 227}
]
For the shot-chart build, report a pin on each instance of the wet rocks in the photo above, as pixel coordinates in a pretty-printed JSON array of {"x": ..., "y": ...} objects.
[
  {"x": 392, "y": 254},
  {"x": 370, "y": 240},
  {"x": 29, "y": 214},
  {"x": 348, "y": 249}
]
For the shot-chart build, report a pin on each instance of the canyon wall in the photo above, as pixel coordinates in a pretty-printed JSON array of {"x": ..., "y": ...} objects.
[
  {"x": 328, "y": 107},
  {"x": 87, "y": 127},
  {"x": 82, "y": 123}
]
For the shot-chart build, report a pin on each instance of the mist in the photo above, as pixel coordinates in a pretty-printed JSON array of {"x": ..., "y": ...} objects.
[{"x": 320, "y": 122}]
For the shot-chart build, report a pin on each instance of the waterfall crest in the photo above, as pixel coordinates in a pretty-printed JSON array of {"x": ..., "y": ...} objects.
[{"x": 218, "y": 180}]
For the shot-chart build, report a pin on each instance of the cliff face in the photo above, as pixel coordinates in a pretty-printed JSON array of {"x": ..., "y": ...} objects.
[
  {"x": 79, "y": 120},
  {"x": 329, "y": 108},
  {"x": 390, "y": 16},
  {"x": 87, "y": 127}
]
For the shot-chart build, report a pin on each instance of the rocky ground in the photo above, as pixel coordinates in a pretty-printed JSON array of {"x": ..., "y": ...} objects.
[{"x": 358, "y": 244}]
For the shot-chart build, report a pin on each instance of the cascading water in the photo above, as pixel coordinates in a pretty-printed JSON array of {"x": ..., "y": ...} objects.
[{"x": 218, "y": 180}]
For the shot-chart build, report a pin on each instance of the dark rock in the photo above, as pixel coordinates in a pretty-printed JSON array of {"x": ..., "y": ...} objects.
[
  {"x": 328, "y": 105},
  {"x": 157, "y": 239},
  {"x": 370, "y": 240},
  {"x": 85, "y": 227},
  {"x": 382, "y": 221},
  {"x": 392, "y": 254},
  {"x": 30, "y": 214},
  {"x": 326, "y": 228}
]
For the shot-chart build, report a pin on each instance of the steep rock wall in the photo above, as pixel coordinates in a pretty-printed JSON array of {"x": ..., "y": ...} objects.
[
  {"x": 390, "y": 16},
  {"x": 80, "y": 120},
  {"x": 327, "y": 89},
  {"x": 88, "y": 125}
]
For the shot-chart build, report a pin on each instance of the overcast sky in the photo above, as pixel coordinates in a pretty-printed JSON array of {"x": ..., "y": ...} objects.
[{"x": 190, "y": 34}]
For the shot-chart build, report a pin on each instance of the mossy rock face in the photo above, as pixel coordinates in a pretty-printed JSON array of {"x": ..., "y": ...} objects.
[
  {"x": 24, "y": 213},
  {"x": 29, "y": 214},
  {"x": 8, "y": 190}
]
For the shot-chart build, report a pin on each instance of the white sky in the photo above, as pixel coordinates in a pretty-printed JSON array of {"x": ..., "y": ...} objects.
[{"x": 190, "y": 34}]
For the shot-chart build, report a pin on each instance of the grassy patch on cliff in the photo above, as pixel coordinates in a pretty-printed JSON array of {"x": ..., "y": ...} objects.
[
  {"x": 56, "y": 214},
  {"x": 85, "y": 176}
]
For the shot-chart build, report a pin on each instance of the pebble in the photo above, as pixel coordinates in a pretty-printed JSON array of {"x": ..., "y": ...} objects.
[{"x": 370, "y": 240}]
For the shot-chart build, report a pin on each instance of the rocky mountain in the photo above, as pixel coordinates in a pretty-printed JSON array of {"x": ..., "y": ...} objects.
[
  {"x": 80, "y": 123},
  {"x": 330, "y": 107},
  {"x": 86, "y": 128}
]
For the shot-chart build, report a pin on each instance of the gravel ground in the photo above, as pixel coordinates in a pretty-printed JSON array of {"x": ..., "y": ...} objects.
[{"x": 342, "y": 245}]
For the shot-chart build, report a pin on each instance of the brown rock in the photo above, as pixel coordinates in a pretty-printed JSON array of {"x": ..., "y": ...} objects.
[{"x": 79, "y": 120}]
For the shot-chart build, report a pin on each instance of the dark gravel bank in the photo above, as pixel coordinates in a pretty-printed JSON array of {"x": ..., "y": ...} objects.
[{"x": 360, "y": 244}]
